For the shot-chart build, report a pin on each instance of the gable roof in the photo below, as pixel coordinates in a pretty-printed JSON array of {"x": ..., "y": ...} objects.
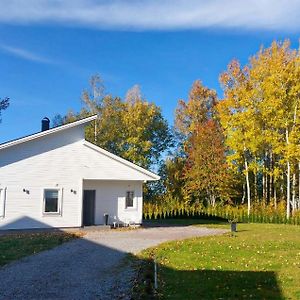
[
  {"x": 123, "y": 161},
  {"x": 46, "y": 132}
]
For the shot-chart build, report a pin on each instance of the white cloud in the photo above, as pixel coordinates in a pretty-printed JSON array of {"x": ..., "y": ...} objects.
[
  {"x": 22, "y": 53},
  {"x": 156, "y": 14}
]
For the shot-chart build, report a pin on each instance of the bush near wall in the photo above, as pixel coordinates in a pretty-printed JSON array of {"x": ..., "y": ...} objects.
[{"x": 260, "y": 212}]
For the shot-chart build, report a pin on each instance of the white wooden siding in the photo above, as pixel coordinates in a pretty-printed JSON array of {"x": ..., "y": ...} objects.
[
  {"x": 60, "y": 160},
  {"x": 110, "y": 199}
]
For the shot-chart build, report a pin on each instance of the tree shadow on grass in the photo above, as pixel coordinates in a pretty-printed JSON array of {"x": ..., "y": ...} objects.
[{"x": 208, "y": 284}]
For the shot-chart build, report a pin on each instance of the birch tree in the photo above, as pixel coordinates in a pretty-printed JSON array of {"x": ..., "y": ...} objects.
[
  {"x": 260, "y": 115},
  {"x": 275, "y": 72},
  {"x": 236, "y": 115}
]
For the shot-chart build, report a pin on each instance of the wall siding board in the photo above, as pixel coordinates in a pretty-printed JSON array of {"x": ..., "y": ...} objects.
[
  {"x": 110, "y": 199},
  {"x": 62, "y": 160}
]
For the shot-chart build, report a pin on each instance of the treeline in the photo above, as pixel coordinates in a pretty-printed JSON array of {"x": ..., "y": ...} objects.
[
  {"x": 244, "y": 147},
  {"x": 260, "y": 118},
  {"x": 242, "y": 150}
]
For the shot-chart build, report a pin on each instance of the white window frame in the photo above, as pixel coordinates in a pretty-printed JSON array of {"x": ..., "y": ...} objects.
[
  {"x": 134, "y": 206},
  {"x": 2, "y": 201},
  {"x": 59, "y": 204}
]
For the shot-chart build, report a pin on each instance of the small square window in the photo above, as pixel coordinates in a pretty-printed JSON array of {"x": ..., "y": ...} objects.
[
  {"x": 129, "y": 199},
  {"x": 51, "y": 201}
]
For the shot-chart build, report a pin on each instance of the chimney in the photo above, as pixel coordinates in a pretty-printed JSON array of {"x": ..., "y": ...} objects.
[{"x": 45, "y": 124}]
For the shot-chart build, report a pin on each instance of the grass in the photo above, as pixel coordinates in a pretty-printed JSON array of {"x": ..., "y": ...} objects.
[
  {"x": 16, "y": 246},
  {"x": 260, "y": 261}
]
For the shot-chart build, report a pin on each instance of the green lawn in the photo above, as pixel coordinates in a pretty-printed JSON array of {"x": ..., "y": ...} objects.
[
  {"x": 16, "y": 246},
  {"x": 261, "y": 261}
]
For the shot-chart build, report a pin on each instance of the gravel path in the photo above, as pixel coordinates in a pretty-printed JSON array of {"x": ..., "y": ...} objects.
[{"x": 89, "y": 268}]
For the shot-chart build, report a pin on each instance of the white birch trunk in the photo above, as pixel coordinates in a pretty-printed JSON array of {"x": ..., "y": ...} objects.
[
  {"x": 288, "y": 181},
  {"x": 95, "y": 132},
  {"x": 271, "y": 185},
  {"x": 275, "y": 196},
  {"x": 288, "y": 190},
  {"x": 248, "y": 186},
  {"x": 255, "y": 186},
  {"x": 263, "y": 186},
  {"x": 294, "y": 193}
]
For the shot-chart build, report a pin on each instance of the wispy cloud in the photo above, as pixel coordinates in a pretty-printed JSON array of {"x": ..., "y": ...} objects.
[
  {"x": 24, "y": 54},
  {"x": 156, "y": 14}
]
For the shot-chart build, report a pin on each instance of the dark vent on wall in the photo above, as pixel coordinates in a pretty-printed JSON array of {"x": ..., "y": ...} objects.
[{"x": 45, "y": 124}]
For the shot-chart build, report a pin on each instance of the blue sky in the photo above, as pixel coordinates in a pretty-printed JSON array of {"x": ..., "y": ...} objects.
[{"x": 49, "y": 49}]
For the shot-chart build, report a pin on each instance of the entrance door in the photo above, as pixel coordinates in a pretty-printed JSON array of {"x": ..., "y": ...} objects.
[{"x": 89, "y": 197}]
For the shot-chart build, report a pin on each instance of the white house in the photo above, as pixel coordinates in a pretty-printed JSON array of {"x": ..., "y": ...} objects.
[{"x": 55, "y": 178}]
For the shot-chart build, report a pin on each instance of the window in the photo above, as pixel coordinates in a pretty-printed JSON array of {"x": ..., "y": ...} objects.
[
  {"x": 52, "y": 201},
  {"x": 129, "y": 199},
  {"x": 2, "y": 201}
]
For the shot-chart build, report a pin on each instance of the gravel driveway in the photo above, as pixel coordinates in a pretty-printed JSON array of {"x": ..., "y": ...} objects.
[{"x": 89, "y": 268}]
